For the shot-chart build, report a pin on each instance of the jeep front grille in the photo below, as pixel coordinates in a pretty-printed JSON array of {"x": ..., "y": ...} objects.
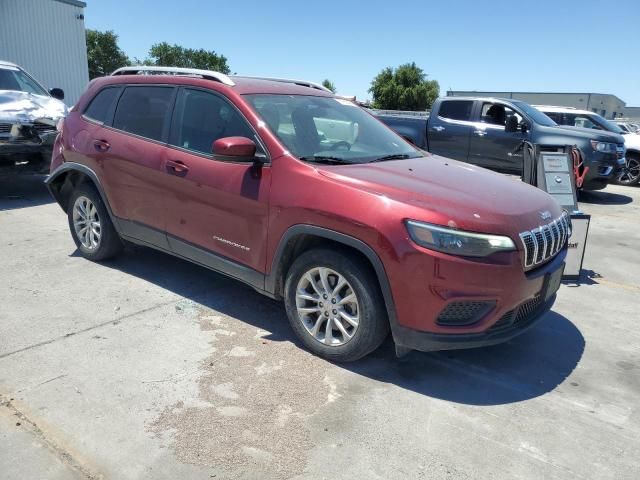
[{"x": 543, "y": 243}]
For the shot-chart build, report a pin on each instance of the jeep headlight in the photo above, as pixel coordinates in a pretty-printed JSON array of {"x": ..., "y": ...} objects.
[
  {"x": 604, "y": 147},
  {"x": 457, "y": 242}
]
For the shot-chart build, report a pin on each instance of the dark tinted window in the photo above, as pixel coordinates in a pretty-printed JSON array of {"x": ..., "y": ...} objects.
[
  {"x": 144, "y": 111},
  {"x": 99, "y": 107},
  {"x": 202, "y": 118},
  {"x": 456, "y": 109}
]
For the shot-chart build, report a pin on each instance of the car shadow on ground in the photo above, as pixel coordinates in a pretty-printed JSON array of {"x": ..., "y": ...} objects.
[
  {"x": 602, "y": 197},
  {"x": 21, "y": 191},
  {"x": 526, "y": 367}
]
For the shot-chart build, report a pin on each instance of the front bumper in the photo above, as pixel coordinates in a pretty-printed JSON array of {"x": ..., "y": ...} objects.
[
  {"x": 25, "y": 155},
  {"x": 518, "y": 299},
  {"x": 603, "y": 168}
]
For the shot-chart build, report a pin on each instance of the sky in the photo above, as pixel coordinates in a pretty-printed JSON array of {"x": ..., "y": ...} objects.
[{"x": 526, "y": 45}]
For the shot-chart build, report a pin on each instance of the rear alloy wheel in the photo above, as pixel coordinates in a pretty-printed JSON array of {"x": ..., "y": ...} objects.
[
  {"x": 630, "y": 173},
  {"x": 90, "y": 225},
  {"x": 334, "y": 304}
]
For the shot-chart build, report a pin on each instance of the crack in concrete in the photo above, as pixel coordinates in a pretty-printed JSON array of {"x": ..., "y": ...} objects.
[
  {"x": 60, "y": 452},
  {"x": 84, "y": 330}
]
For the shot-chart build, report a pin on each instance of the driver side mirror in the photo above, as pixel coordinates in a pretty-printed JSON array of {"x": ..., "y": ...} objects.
[
  {"x": 511, "y": 124},
  {"x": 238, "y": 149},
  {"x": 57, "y": 93}
]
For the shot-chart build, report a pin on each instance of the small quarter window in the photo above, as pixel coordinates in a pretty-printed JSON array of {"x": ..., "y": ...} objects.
[
  {"x": 456, "y": 109},
  {"x": 99, "y": 107}
]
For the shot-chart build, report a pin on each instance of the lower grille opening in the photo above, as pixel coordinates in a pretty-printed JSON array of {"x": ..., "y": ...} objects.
[
  {"x": 519, "y": 315},
  {"x": 458, "y": 314}
]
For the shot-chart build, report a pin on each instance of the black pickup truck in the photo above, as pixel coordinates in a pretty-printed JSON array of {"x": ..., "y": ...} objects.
[{"x": 488, "y": 131}]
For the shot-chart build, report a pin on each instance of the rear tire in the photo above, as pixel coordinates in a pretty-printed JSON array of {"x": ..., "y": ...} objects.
[
  {"x": 334, "y": 305},
  {"x": 90, "y": 225},
  {"x": 630, "y": 174}
]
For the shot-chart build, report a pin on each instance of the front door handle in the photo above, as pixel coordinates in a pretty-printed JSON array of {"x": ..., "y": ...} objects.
[
  {"x": 438, "y": 128},
  {"x": 176, "y": 167},
  {"x": 480, "y": 133},
  {"x": 101, "y": 146}
]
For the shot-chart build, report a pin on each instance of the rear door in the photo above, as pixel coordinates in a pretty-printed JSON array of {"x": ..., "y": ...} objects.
[
  {"x": 132, "y": 154},
  {"x": 490, "y": 146},
  {"x": 449, "y": 130},
  {"x": 214, "y": 206}
]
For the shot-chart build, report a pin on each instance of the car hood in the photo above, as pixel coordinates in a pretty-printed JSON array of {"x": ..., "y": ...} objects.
[
  {"x": 631, "y": 141},
  {"x": 24, "y": 107},
  {"x": 593, "y": 134},
  {"x": 448, "y": 192}
]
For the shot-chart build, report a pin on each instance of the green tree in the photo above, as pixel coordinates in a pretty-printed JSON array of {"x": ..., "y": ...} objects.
[
  {"x": 177, "y": 56},
  {"x": 405, "y": 88},
  {"x": 329, "y": 84},
  {"x": 103, "y": 53}
]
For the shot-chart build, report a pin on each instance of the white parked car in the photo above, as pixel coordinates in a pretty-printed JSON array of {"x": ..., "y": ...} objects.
[
  {"x": 573, "y": 117},
  {"x": 28, "y": 118}
]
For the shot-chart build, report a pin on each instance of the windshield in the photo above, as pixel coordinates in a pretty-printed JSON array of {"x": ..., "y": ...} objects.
[
  {"x": 536, "y": 115},
  {"x": 332, "y": 130},
  {"x": 609, "y": 126},
  {"x": 15, "y": 79}
]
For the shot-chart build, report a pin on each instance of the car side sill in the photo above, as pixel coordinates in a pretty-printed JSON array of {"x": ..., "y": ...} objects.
[{"x": 150, "y": 237}]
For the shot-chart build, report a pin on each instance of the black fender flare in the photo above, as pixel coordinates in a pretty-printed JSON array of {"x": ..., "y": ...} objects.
[
  {"x": 68, "y": 167},
  {"x": 304, "y": 229}
]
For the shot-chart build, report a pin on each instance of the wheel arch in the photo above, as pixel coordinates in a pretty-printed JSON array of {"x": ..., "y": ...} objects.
[
  {"x": 300, "y": 238},
  {"x": 68, "y": 176}
]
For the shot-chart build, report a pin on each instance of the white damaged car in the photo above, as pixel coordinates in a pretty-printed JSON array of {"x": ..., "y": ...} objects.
[{"x": 28, "y": 118}]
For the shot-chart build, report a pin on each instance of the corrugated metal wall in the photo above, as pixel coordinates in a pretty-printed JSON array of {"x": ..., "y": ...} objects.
[{"x": 47, "y": 39}]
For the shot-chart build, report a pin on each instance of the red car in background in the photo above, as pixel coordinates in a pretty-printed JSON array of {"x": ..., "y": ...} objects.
[{"x": 308, "y": 198}]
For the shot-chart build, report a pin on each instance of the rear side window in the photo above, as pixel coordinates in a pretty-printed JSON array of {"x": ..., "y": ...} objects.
[
  {"x": 100, "y": 106},
  {"x": 456, "y": 109},
  {"x": 144, "y": 111}
]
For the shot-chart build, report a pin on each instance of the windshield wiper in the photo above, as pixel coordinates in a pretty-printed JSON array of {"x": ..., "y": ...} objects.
[
  {"x": 323, "y": 159},
  {"x": 395, "y": 156}
]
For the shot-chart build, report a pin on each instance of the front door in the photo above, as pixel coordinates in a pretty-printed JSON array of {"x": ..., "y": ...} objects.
[
  {"x": 216, "y": 210},
  {"x": 490, "y": 146}
]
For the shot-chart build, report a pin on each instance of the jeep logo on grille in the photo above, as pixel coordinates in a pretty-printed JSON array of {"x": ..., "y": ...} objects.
[{"x": 546, "y": 215}]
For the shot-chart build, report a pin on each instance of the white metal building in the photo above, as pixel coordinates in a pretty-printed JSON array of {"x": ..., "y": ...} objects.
[{"x": 47, "y": 39}]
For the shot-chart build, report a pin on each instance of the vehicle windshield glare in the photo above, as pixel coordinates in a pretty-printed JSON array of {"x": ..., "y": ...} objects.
[
  {"x": 535, "y": 114},
  {"x": 17, "y": 80},
  {"x": 330, "y": 130}
]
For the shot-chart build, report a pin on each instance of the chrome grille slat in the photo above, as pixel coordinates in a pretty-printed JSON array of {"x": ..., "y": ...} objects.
[{"x": 543, "y": 243}]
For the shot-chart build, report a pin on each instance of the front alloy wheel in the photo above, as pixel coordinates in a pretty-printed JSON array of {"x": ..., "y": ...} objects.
[
  {"x": 327, "y": 306},
  {"x": 630, "y": 173},
  {"x": 334, "y": 304}
]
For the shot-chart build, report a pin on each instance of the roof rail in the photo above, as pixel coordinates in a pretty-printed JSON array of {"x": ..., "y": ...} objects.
[
  {"x": 302, "y": 83},
  {"x": 154, "y": 70},
  {"x": 555, "y": 106}
]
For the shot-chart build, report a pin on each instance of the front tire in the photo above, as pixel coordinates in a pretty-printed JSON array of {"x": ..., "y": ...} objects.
[
  {"x": 630, "y": 174},
  {"x": 334, "y": 305},
  {"x": 90, "y": 225}
]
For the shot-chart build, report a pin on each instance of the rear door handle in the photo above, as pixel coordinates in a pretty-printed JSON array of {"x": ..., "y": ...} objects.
[
  {"x": 480, "y": 133},
  {"x": 176, "y": 167},
  {"x": 101, "y": 146},
  {"x": 438, "y": 128}
]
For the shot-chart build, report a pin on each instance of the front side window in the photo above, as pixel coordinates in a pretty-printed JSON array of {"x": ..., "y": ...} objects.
[
  {"x": 326, "y": 129},
  {"x": 144, "y": 111},
  {"x": 15, "y": 79},
  {"x": 101, "y": 104},
  {"x": 202, "y": 118},
  {"x": 456, "y": 109},
  {"x": 497, "y": 114}
]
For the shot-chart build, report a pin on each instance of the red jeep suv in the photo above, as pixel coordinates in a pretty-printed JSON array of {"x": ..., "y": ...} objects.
[{"x": 308, "y": 198}]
